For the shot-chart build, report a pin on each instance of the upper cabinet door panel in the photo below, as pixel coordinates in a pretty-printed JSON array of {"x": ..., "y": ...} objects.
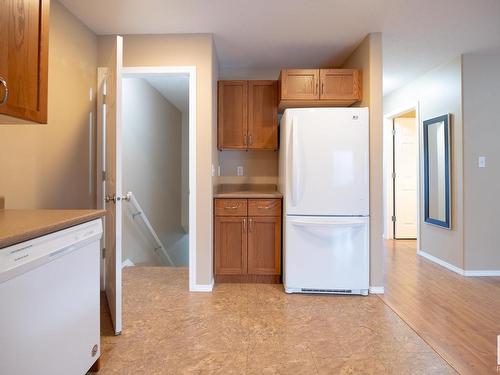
[
  {"x": 24, "y": 37},
  {"x": 340, "y": 84},
  {"x": 263, "y": 115},
  {"x": 232, "y": 121},
  {"x": 299, "y": 84}
]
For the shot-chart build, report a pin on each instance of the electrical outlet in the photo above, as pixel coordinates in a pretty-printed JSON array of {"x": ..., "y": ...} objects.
[
  {"x": 482, "y": 162},
  {"x": 239, "y": 171},
  {"x": 213, "y": 170}
]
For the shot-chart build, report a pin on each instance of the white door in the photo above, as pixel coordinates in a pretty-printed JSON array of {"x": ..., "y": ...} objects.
[
  {"x": 112, "y": 185},
  {"x": 327, "y": 161},
  {"x": 405, "y": 177},
  {"x": 327, "y": 253}
]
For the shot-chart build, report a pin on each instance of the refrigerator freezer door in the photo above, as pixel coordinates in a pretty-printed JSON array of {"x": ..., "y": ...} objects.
[
  {"x": 326, "y": 255},
  {"x": 327, "y": 162}
]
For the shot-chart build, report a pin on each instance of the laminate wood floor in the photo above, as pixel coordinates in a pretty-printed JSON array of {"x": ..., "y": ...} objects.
[
  {"x": 459, "y": 317},
  {"x": 256, "y": 329}
]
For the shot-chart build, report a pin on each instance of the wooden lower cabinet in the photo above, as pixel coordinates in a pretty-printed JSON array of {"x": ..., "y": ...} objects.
[
  {"x": 231, "y": 245},
  {"x": 264, "y": 245},
  {"x": 248, "y": 248}
]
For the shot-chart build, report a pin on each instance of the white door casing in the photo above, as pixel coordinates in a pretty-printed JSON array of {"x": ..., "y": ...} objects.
[{"x": 405, "y": 180}]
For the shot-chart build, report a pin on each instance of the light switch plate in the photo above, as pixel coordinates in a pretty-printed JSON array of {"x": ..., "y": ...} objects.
[
  {"x": 482, "y": 162},
  {"x": 239, "y": 171}
]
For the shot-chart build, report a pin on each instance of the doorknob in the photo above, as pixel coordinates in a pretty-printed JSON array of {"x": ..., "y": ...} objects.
[{"x": 113, "y": 198}]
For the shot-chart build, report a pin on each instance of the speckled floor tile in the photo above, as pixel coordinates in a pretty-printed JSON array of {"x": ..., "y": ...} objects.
[{"x": 255, "y": 329}]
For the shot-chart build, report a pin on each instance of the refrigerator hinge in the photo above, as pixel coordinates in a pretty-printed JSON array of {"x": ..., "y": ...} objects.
[
  {"x": 103, "y": 251},
  {"x": 393, "y": 131},
  {"x": 394, "y": 219},
  {"x": 103, "y": 175},
  {"x": 393, "y": 174}
]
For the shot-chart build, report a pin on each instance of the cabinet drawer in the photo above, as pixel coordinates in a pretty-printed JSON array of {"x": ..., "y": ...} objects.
[
  {"x": 264, "y": 207},
  {"x": 230, "y": 207}
]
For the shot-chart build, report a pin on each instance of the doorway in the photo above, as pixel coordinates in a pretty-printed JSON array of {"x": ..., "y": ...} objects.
[
  {"x": 111, "y": 192},
  {"x": 401, "y": 174},
  {"x": 155, "y": 154}
]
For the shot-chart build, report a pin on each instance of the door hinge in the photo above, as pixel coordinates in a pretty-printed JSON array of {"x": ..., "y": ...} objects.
[
  {"x": 393, "y": 131},
  {"x": 393, "y": 174},
  {"x": 103, "y": 173},
  {"x": 103, "y": 251},
  {"x": 394, "y": 219},
  {"x": 104, "y": 97}
]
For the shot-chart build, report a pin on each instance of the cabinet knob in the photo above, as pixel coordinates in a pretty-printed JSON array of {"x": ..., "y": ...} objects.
[{"x": 6, "y": 91}]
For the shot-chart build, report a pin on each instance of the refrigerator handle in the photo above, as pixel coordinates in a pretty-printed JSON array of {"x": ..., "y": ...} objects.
[{"x": 295, "y": 162}]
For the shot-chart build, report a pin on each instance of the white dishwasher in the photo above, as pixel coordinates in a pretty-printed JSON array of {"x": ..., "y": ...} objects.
[{"x": 49, "y": 303}]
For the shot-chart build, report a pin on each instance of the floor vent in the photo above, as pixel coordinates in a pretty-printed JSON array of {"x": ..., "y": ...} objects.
[{"x": 336, "y": 291}]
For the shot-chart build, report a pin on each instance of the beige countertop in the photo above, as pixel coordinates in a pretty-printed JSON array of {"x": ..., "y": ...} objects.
[
  {"x": 247, "y": 191},
  {"x": 23, "y": 225}
]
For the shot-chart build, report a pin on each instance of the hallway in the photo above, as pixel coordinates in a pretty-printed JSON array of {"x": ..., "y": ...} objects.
[{"x": 459, "y": 317}]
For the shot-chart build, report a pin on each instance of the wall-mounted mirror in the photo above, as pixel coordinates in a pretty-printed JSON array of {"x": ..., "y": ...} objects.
[{"x": 437, "y": 179}]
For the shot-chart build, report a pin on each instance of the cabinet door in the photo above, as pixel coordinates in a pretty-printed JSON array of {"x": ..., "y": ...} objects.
[
  {"x": 340, "y": 84},
  {"x": 232, "y": 121},
  {"x": 264, "y": 245},
  {"x": 299, "y": 84},
  {"x": 230, "y": 245},
  {"x": 24, "y": 39},
  {"x": 263, "y": 115}
]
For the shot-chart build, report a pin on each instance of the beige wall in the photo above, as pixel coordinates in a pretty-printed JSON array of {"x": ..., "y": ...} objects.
[
  {"x": 439, "y": 92},
  {"x": 368, "y": 57},
  {"x": 195, "y": 50},
  {"x": 47, "y": 166},
  {"x": 481, "y": 97},
  {"x": 151, "y": 162}
]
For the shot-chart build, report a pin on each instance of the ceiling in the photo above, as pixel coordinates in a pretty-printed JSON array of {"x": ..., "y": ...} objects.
[
  {"x": 174, "y": 88},
  {"x": 268, "y": 34}
]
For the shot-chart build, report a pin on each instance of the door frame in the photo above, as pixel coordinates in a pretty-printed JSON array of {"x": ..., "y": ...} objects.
[
  {"x": 162, "y": 71},
  {"x": 388, "y": 161}
]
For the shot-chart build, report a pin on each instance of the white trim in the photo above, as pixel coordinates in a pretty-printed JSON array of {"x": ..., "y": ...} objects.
[
  {"x": 190, "y": 71},
  {"x": 387, "y": 187},
  {"x": 376, "y": 290},
  {"x": 441, "y": 262},
  {"x": 202, "y": 287},
  {"x": 482, "y": 273}
]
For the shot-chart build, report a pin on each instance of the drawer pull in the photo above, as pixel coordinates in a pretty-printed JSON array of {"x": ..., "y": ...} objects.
[
  {"x": 235, "y": 207},
  {"x": 265, "y": 207}
]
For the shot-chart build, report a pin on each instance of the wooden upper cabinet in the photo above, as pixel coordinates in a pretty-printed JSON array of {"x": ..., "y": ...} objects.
[
  {"x": 24, "y": 39},
  {"x": 299, "y": 84},
  {"x": 264, "y": 245},
  {"x": 248, "y": 115},
  {"x": 340, "y": 84},
  {"x": 262, "y": 115},
  {"x": 302, "y": 88},
  {"x": 232, "y": 114},
  {"x": 231, "y": 245}
]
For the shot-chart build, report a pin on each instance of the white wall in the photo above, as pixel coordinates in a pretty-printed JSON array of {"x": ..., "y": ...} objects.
[
  {"x": 481, "y": 98},
  {"x": 152, "y": 134},
  {"x": 52, "y": 165},
  {"x": 439, "y": 92}
]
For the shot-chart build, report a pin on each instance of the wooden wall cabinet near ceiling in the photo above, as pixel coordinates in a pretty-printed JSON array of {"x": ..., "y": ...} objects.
[
  {"x": 248, "y": 115},
  {"x": 247, "y": 240},
  {"x": 24, "y": 40},
  {"x": 299, "y": 88}
]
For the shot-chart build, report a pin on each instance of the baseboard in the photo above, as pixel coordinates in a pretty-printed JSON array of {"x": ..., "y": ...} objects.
[
  {"x": 127, "y": 263},
  {"x": 376, "y": 290},
  {"x": 441, "y": 262},
  {"x": 202, "y": 287},
  {"x": 479, "y": 273}
]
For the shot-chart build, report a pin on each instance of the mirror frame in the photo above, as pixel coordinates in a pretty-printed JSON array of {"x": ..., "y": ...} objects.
[{"x": 445, "y": 119}]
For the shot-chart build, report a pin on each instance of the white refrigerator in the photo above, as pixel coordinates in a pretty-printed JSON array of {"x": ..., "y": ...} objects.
[{"x": 324, "y": 177}]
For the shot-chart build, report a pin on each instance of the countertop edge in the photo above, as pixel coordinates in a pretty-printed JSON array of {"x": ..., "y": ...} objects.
[{"x": 50, "y": 228}]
